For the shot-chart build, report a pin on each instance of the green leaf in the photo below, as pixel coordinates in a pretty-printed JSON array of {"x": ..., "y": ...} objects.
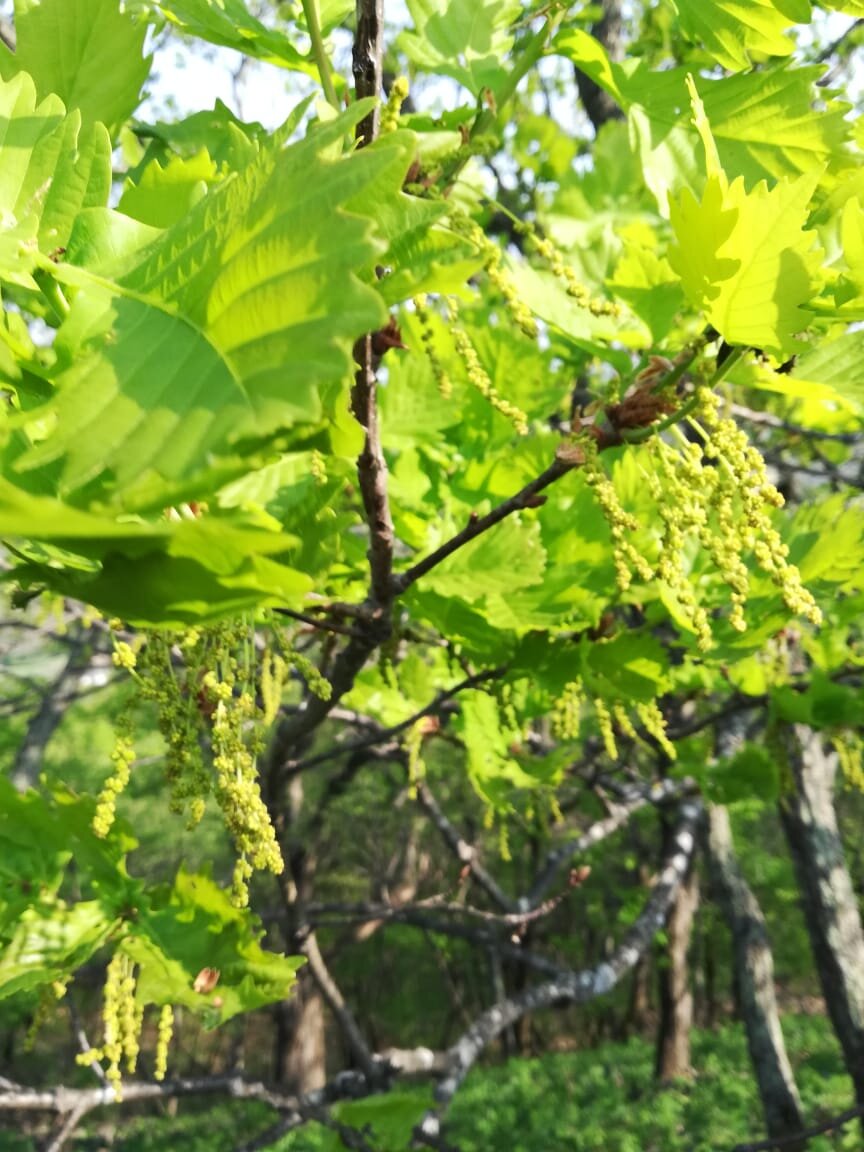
[
  {"x": 630, "y": 666},
  {"x": 49, "y": 943},
  {"x": 167, "y": 573},
  {"x": 132, "y": 373},
  {"x": 392, "y": 1117},
  {"x": 736, "y": 31},
  {"x": 163, "y": 195},
  {"x": 467, "y": 40},
  {"x": 231, "y": 24},
  {"x": 255, "y": 286},
  {"x": 192, "y": 926},
  {"x": 837, "y": 363},
  {"x": 486, "y": 565},
  {"x": 808, "y": 131},
  {"x": 745, "y": 259},
  {"x": 649, "y": 285},
  {"x": 87, "y": 52},
  {"x": 49, "y": 171}
]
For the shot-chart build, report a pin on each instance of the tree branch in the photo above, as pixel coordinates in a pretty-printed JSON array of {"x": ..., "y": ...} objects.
[
  {"x": 574, "y": 987},
  {"x": 805, "y": 1134},
  {"x": 367, "y": 62},
  {"x": 632, "y": 799},
  {"x": 464, "y": 852},
  {"x": 525, "y": 498},
  {"x": 382, "y": 735},
  {"x": 31, "y": 751}
]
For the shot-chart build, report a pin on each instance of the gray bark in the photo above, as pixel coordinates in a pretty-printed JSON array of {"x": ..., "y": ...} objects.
[
  {"x": 830, "y": 908},
  {"x": 754, "y": 967},
  {"x": 672, "y": 1057},
  {"x": 301, "y": 1059}
]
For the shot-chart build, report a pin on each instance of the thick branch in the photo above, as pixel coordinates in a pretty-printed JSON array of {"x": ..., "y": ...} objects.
[
  {"x": 367, "y": 62},
  {"x": 631, "y": 801},
  {"x": 336, "y": 1003},
  {"x": 418, "y": 916},
  {"x": 372, "y": 473},
  {"x": 7, "y": 34},
  {"x": 598, "y": 104},
  {"x": 575, "y": 987}
]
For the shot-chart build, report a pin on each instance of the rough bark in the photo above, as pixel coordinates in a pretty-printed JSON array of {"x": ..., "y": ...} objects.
[
  {"x": 672, "y": 1057},
  {"x": 754, "y": 966},
  {"x": 830, "y": 909},
  {"x": 300, "y": 1061}
]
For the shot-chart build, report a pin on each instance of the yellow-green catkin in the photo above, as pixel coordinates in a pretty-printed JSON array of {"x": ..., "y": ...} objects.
[
  {"x": 391, "y": 111},
  {"x": 427, "y": 335},
  {"x": 202, "y": 684},
  {"x": 848, "y": 747},
  {"x": 567, "y": 712},
  {"x": 504, "y": 842},
  {"x": 628, "y": 560},
  {"x": 499, "y": 277},
  {"x": 163, "y": 1041},
  {"x": 318, "y": 684},
  {"x": 622, "y": 719},
  {"x": 477, "y": 375},
  {"x": 238, "y": 791},
  {"x": 121, "y": 1023},
  {"x": 273, "y": 677},
  {"x": 122, "y": 758},
  {"x": 607, "y": 730},
  {"x": 743, "y": 470},
  {"x": 562, "y": 271},
  {"x": 318, "y": 467},
  {"x": 655, "y": 725}
]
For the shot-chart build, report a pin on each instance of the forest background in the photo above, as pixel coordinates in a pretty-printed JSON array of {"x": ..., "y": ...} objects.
[{"x": 431, "y": 648}]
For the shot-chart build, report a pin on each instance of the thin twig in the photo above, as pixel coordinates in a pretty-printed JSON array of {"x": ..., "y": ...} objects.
[
  {"x": 464, "y": 852},
  {"x": 385, "y": 734},
  {"x": 769, "y": 420},
  {"x": 476, "y": 526},
  {"x": 314, "y": 622},
  {"x": 805, "y": 1134}
]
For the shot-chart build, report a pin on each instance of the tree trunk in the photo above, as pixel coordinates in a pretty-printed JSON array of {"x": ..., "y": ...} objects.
[
  {"x": 672, "y": 1058},
  {"x": 831, "y": 911},
  {"x": 754, "y": 968},
  {"x": 300, "y": 1060}
]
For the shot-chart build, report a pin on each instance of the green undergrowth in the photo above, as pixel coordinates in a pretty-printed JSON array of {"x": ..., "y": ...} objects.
[{"x": 598, "y": 1100}]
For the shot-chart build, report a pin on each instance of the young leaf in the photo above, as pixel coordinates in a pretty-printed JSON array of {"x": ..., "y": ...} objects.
[
  {"x": 736, "y": 31},
  {"x": 87, "y": 52}
]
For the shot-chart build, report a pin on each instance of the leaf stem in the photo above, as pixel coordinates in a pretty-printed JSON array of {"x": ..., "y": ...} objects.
[
  {"x": 640, "y": 435},
  {"x": 319, "y": 51},
  {"x": 53, "y": 294}
]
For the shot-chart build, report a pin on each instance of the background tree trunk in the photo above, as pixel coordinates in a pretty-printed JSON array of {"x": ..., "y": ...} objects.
[
  {"x": 754, "y": 968},
  {"x": 831, "y": 911},
  {"x": 672, "y": 1057},
  {"x": 300, "y": 1062}
]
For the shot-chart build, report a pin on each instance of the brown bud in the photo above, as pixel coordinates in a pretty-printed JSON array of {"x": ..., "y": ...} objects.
[
  {"x": 386, "y": 338},
  {"x": 206, "y": 980}
]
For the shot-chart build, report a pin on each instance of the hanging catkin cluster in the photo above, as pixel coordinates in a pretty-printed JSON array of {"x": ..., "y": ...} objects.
[
  {"x": 121, "y": 1023},
  {"x": 714, "y": 491},
  {"x": 215, "y": 701}
]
